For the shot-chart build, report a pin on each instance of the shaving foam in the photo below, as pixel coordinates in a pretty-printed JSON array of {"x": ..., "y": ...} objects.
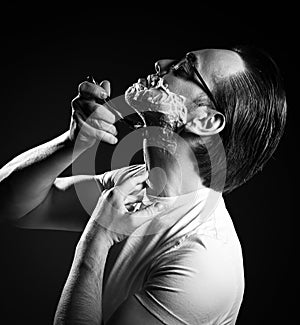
[{"x": 158, "y": 99}]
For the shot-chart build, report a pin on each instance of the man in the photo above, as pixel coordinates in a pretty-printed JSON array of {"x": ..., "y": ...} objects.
[{"x": 182, "y": 264}]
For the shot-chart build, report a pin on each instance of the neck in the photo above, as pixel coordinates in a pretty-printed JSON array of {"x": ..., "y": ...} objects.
[{"x": 172, "y": 169}]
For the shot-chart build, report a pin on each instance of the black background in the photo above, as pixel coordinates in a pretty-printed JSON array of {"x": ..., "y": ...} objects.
[{"x": 47, "y": 51}]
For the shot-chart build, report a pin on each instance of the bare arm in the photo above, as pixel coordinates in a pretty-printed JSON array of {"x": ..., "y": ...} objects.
[
  {"x": 81, "y": 299},
  {"x": 30, "y": 181},
  {"x": 110, "y": 223},
  {"x": 28, "y": 178}
]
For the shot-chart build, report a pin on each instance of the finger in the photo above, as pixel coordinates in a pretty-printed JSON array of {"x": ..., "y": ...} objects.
[
  {"x": 89, "y": 90},
  {"x": 102, "y": 125},
  {"x": 104, "y": 113},
  {"x": 133, "y": 171},
  {"x": 93, "y": 132},
  {"x": 130, "y": 184},
  {"x": 130, "y": 199},
  {"x": 138, "y": 189},
  {"x": 105, "y": 84},
  {"x": 143, "y": 215},
  {"x": 88, "y": 107}
]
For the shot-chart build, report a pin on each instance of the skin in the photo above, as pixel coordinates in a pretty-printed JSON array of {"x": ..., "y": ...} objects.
[
  {"x": 96, "y": 249},
  {"x": 213, "y": 65},
  {"x": 81, "y": 299},
  {"x": 33, "y": 196}
]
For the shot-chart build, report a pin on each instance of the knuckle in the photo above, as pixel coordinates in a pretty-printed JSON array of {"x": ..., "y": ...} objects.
[
  {"x": 82, "y": 86},
  {"x": 75, "y": 103},
  {"x": 115, "y": 195},
  {"x": 100, "y": 125},
  {"x": 100, "y": 135},
  {"x": 112, "y": 198},
  {"x": 104, "y": 112},
  {"x": 98, "y": 110},
  {"x": 96, "y": 107},
  {"x": 105, "y": 126},
  {"x": 112, "y": 129},
  {"x": 113, "y": 118},
  {"x": 110, "y": 194},
  {"x": 101, "y": 91}
]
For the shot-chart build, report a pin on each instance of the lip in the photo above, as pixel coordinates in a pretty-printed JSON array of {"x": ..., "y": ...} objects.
[{"x": 152, "y": 81}]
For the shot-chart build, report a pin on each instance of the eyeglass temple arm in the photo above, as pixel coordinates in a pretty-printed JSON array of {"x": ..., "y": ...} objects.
[{"x": 208, "y": 92}]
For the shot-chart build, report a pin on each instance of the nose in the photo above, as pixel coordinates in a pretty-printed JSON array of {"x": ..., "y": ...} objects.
[{"x": 162, "y": 66}]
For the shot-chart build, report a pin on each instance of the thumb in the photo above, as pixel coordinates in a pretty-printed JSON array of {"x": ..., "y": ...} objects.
[{"x": 106, "y": 85}]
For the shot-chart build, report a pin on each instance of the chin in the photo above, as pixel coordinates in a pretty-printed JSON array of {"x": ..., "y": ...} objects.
[{"x": 157, "y": 104}]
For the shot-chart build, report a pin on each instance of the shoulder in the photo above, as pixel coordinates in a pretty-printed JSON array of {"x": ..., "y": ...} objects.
[
  {"x": 195, "y": 280},
  {"x": 207, "y": 257}
]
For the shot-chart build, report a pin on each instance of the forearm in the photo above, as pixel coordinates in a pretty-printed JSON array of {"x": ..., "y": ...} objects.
[
  {"x": 81, "y": 299},
  {"x": 26, "y": 180}
]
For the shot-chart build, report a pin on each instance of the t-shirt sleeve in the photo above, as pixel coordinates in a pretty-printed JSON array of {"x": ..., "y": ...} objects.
[
  {"x": 187, "y": 286},
  {"x": 112, "y": 178}
]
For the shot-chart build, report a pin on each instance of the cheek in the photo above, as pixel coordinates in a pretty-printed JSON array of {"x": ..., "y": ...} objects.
[{"x": 183, "y": 87}]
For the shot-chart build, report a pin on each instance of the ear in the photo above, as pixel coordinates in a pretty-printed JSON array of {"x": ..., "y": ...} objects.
[{"x": 208, "y": 122}]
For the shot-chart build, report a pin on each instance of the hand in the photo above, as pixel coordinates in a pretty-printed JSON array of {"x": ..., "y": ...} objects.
[
  {"x": 112, "y": 214},
  {"x": 90, "y": 120}
]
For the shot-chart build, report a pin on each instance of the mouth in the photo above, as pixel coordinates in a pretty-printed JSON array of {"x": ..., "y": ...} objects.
[{"x": 152, "y": 81}]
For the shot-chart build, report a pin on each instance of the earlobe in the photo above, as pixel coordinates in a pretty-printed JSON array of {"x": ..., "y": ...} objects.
[{"x": 207, "y": 124}]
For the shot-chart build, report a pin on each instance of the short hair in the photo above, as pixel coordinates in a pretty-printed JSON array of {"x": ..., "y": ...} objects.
[{"x": 254, "y": 105}]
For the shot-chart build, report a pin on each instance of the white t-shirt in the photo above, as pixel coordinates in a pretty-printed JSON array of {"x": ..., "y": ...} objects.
[{"x": 184, "y": 267}]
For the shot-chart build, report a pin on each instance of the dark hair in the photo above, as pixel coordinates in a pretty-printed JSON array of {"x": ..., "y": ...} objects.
[{"x": 254, "y": 105}]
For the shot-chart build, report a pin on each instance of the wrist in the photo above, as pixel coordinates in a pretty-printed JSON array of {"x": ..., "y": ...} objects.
[
  {"x": 91, "y": 252},
  {"x": 96, "y": 236}
]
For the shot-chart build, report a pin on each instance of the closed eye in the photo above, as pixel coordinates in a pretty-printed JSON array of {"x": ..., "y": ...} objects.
[{"x": 182, "y": 70}]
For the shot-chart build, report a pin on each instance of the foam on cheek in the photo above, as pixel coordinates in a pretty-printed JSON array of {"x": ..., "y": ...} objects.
[
  {"x": 160, "y": 108},
  {"x": 158, "y": 99}
]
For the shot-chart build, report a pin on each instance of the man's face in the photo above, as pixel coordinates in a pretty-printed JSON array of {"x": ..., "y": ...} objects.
[
  {"x": 183, "y": 88},
  {"x": 212, "y": 64}
]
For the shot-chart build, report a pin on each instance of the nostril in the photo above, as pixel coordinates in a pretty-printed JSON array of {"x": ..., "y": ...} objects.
[
  {"x": 157, "y": 67},
  {"x": 162, "y": 67}
]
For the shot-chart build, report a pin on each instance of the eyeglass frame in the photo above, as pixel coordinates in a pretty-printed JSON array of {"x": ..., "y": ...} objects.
[{"x": 190, "y": 59}]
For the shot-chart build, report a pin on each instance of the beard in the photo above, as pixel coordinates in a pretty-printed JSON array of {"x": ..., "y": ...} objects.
[
  {"x": 157, "y": 104},
  {"x": 164, "y": 113}
]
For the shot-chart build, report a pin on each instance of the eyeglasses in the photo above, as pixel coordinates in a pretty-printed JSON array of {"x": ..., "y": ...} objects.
[{"x": 190, "y": 60}]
